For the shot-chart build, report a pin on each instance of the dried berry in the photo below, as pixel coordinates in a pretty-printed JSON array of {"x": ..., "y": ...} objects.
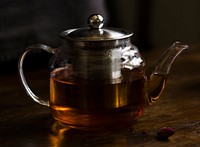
[{"x": 165, "y": 133}]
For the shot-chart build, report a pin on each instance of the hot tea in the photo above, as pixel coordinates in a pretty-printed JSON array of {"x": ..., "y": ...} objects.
[{"x": 90, "y": 104}]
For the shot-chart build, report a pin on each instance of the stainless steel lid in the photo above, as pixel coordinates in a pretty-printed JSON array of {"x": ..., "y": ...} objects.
[{"x": 95, "y": 32}]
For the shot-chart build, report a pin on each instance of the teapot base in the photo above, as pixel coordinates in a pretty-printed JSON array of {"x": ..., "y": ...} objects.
[
  {"x": 98, "y": 121},
  {"x": 99, "y": 129}
]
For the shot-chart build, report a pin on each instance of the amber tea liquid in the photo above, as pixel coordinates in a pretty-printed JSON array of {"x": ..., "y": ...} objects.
[{"x": 90, "y": 105}]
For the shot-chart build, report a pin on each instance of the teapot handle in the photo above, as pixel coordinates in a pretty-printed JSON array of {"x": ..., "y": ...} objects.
[{"x": 21, "y": 71}]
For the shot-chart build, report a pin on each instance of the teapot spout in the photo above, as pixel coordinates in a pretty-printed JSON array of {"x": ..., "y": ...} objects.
[{"x": 158, "y": 78}]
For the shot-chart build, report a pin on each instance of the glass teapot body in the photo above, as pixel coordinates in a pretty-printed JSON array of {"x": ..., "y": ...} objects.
[{"x": 94, "y": 87}]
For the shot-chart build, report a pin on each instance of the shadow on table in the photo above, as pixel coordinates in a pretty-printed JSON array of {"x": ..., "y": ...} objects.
[{"x": 42, "y": 130}]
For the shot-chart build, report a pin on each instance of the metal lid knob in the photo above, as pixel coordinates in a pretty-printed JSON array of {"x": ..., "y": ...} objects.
[{"x": 95, "y": 21}]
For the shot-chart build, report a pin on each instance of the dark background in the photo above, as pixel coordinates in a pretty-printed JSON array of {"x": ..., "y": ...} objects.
[{"x": 155, "y": 23}]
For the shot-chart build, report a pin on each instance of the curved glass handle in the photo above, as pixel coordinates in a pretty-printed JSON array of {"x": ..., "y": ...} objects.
[{"x": 21, "y": 72}]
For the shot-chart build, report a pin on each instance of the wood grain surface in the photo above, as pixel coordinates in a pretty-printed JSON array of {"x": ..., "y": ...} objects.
[{"x": 24, "y": 123}]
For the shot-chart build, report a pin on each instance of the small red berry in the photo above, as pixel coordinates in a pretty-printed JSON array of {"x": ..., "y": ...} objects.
[{"x": 165, "y": 133}]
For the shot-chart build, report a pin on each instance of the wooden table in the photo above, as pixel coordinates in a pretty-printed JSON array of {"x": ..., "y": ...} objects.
[{"x": 24, "y": 123}]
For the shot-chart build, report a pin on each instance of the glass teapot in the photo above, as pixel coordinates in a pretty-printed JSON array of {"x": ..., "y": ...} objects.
[{"x": 98, "y": 79}]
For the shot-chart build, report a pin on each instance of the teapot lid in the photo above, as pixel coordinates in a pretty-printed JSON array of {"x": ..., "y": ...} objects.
[{"x": 95, "y": 32}]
